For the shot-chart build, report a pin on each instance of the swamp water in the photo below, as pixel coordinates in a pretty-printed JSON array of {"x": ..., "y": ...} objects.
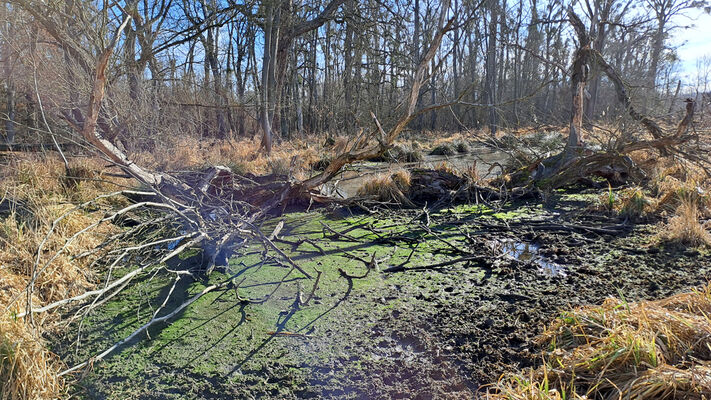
[
  {"x": 420, "y": 333},
  {"x": 529, "y": 252}
]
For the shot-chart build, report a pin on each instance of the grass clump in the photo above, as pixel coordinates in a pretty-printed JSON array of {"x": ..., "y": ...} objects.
[
  {"x": 643, "y": 350},
  {"x": 471, "y": 173},
  {"x": 411, "y": 155},
  {"x": 27, "y": 369},
  {"x": 37, "y": 192},
  {"x": 634, "y": 204},
  {"x": 278, "y": 166},
  {"x": 462, "y": 147},
  {"x": 684, "y": 227},
  {"x": 388, "y": 188},
  {"x": 186, "y": 153},
  {"x": 672, "y": 192},
  {"x": 446, "y": 167},
  {"x": 400, "y": 154},
  {"x": 444, "y": 149}
]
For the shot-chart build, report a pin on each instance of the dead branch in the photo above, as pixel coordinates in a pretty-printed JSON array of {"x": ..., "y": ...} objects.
[
  {"x": 144, "y": 327},
  {"x": 571, "y": 166},
  {"x": 115, "y": 283},
  {"x": 401, "y": 268}
]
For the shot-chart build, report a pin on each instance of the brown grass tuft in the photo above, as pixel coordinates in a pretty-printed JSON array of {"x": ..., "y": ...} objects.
[
  {"x": 684, "y": 228},
  {"x": 36, "y": 192},
  {"x": 388, "y": 187},
  {"x": 27, "y": 369},
  {"x": 446, "y": 167},
  {"x": 644, "y": 350},
  {"x": 242, "y": 156},
  {"x": 634, "y": 203}
]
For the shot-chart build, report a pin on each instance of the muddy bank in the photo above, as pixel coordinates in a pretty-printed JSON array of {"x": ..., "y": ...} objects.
[{"x": 422, "y": 332}]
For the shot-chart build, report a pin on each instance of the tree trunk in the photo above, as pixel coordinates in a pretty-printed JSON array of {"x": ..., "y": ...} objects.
[
  {"x": 657, "y": 48},
  {"x": 578, "y": 80},
  {"x": 416, "y": 51},
  {"x": 348, "y": 87},
  {"x": 5, "y": 53},
  {"x": 268, "y": 60},
  {"x": 10, "y": 121},
  {"x": 491, "y": 68}
]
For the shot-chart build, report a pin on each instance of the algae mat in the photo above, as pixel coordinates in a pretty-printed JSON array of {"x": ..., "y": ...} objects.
[{"x": 420, "y": 333}]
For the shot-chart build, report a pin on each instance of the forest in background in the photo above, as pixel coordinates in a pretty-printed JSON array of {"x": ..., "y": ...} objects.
[{"x": 222, "y": 69}]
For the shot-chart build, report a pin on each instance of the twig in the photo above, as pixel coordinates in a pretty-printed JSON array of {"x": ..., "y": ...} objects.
[
  {"x": 143, "y": 327},
  {"x": 400, "y": 268}
]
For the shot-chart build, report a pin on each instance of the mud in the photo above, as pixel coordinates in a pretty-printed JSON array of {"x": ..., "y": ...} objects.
[{"x": 420, "y": 333}]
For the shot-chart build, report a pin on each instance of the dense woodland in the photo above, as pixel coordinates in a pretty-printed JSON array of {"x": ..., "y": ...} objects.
[{"x": 219, "y": 69}]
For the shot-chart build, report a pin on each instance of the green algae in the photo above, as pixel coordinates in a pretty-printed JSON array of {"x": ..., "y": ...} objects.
[
  {"x": 221, "y": 336},
  {"x": 223, "y": 346},
  {"x": 220, "y": 347}
]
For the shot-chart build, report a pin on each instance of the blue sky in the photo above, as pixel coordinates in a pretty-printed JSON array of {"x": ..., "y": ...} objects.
[{"x": 694, "y": 41}]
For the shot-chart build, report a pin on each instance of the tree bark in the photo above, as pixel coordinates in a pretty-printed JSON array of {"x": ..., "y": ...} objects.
[
  {"x": 581, "y": 66},
  {"x": 491, "y": 67}
]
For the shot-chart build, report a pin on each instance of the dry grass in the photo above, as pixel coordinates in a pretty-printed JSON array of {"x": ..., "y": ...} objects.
[
  {"x": 341, "y": 143},
  {"x": 681, "y": 204},
  {"x": 673, "y": 192},
  {"x": 242, "y": 156},
  {"x": 436, "y": 138},
  {"x": 27, "y": 369},
  {"x": 392, "y": 187},
  {"x": 619, "y": 350},
  {"x": 36, "y": 192},
  {"x": 684, "y": 228},
  {"x": 632, "y": 203},
  {"x": 444, "y": 166},
  {"x": 472, "y": 173}
]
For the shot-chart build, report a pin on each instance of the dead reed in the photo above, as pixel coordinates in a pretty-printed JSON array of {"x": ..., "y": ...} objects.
[
  {"x": 620, "y": 350},
  {"x": 36, "y": 191}
]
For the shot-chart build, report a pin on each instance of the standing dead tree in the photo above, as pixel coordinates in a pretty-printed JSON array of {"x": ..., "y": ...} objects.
[{"x": 576, "y": 161}]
